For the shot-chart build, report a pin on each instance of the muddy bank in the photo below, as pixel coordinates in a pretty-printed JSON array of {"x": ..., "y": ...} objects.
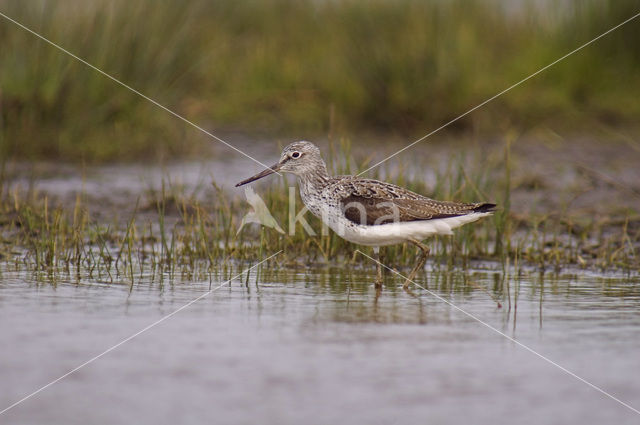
[{"x": 580, "y": 196}]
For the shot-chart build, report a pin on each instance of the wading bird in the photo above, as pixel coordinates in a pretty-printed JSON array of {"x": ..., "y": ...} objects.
[{"x": 371, "y": 212}]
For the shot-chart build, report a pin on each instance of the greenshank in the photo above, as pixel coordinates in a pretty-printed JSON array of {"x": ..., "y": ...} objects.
[{"x": 371, "y": 212}]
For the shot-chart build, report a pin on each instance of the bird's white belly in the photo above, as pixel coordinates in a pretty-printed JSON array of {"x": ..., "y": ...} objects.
[{"x": 394, "y": 233}]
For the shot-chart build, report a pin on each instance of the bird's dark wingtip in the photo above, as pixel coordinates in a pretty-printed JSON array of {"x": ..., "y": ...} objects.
[{"x": 485, "y": 207}]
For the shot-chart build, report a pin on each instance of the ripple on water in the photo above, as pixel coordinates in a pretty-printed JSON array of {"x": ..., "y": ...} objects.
[{"x": 309, "y": 347}]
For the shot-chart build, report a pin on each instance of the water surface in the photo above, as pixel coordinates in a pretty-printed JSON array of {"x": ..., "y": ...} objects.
[{"x": 302, "y": 346}]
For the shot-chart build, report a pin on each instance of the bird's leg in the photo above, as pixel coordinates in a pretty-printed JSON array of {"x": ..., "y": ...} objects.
[
  {"x": 379, "y": 280},
  {"x": 420, "y": 264}
]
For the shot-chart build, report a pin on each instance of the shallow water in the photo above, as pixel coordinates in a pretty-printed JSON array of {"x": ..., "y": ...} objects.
[{"x": 317, "y": 347}]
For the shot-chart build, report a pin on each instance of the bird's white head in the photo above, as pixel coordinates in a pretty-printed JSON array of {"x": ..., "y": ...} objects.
[{"x": 299, "y": 158}]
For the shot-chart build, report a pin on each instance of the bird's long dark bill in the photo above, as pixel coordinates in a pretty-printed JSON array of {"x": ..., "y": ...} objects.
[{"x": 274, "y": 168}]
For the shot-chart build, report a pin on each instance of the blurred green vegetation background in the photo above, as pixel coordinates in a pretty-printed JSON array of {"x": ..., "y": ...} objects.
[{"x": 285, "y": 67}]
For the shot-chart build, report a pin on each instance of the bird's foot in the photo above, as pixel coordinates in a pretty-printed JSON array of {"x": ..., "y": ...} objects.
[
  {"x": 422, "y": 259},
  {"x": 408, "y": 281},
  {"x": 409, "y": 291},
  {"x": 378, "y": 283}
]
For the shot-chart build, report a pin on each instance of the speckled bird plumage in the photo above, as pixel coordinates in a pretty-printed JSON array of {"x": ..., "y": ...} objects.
[
  {"x": 366, "y": 211},
  {"x": 371, "y": 212}
]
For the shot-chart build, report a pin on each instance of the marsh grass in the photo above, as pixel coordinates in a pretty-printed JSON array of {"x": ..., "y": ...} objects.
[
  {"x": 303, "y": 66},
  {"x": 170, "y": 232},
  {"x": 314, "y": 67}
]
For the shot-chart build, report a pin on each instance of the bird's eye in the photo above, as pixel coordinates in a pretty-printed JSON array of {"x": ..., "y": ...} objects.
[{"x": 295, "y": 155}]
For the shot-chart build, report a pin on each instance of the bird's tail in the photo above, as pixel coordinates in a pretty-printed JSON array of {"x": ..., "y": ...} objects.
[{"x": 485, "y": 207}]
